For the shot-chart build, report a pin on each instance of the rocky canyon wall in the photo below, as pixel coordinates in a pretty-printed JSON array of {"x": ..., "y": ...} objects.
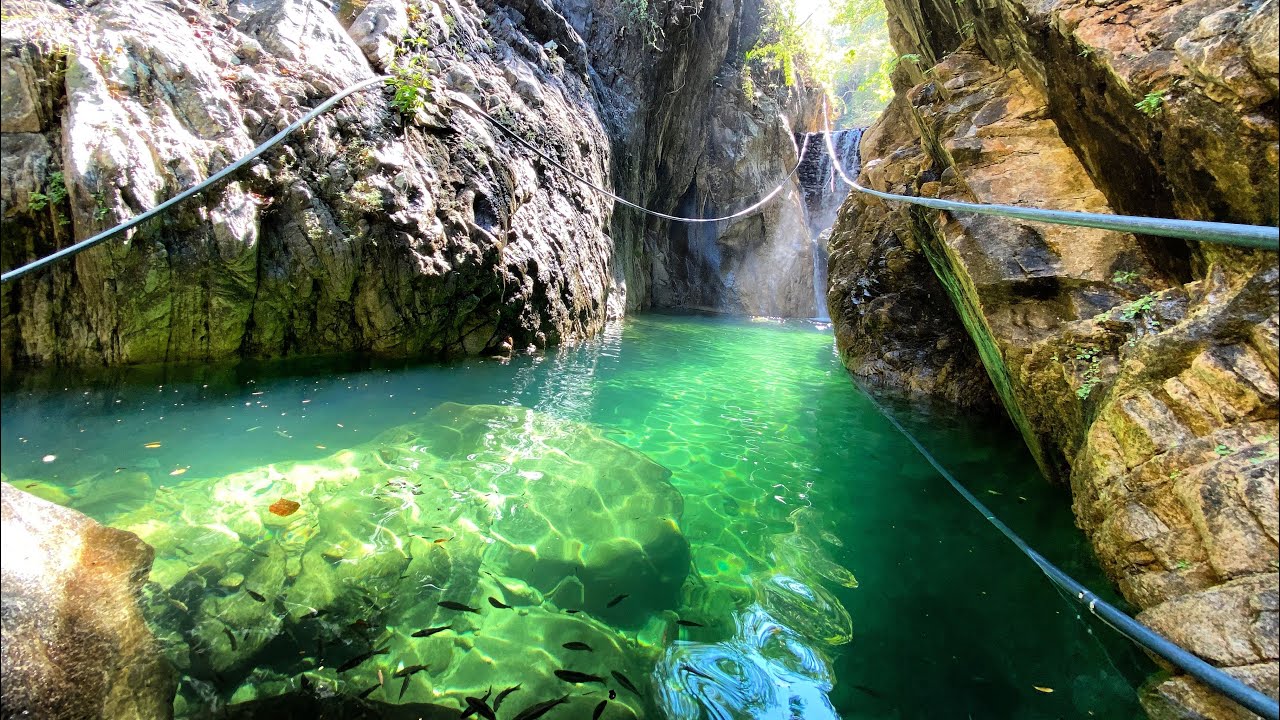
[
  {"x": 1143, "y": 371},
  {"x": 423, "y": 233}
]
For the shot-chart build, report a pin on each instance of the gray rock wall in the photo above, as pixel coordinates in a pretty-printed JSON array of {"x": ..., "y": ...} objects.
[{"x": 368, "y": 230}]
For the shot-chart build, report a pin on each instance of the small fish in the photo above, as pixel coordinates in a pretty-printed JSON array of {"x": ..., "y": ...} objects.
[
  {"x": 575, "y": 645},
  {"x": 441, "y": 541},
  {"x": 230, "y": 636},
  {"x": 407, "y": 671},
  {"x": 617, "y": 600},
  {"x": 573, "y": 612},
  {"x": 1043, "y": 689},
  {"x": 624, "y": 682},
  {"x": 868, "y": 691},
  {"x": 305, "y": 682},
  {"x": 992, "y": 492},
  {"x": 431, "y": 631},
  {"x": 479, "y": 707},
  {"x": 179, "y": 605},
  {"x": 613, "y": 694},
  {"x": 368, "y": 691},
  {"x": 178, "y": 471},
  {"x": 474, "y": 704},
  {"x": 499, "y": 604},
  {"x": 403, "y": 687},
  {"x": 497, "y": 702},
  {"x": 695, "y": 671},
  {"x": 533, "y": 712},
  {"x": 689, "y": 623},
  {"x": 357, "y": 660},
  {"x": 255, "y": 596},
  {"x": 573, "y": 676},
  {"x": 451, "y": 605},
  {"x": 595, "y": 715},
  {"x": 151, "y": 445}
]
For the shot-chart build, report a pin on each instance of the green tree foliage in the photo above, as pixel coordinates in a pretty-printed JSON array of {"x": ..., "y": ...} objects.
[
  {"x": 841, "y": 44},
  {"x": 781, "y": 45},
  {"x": 860, "y": 83}
]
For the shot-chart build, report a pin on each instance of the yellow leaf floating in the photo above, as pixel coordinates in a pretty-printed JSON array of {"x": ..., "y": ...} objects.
[
  {"x": 179, "y": 471},
  {"x": 152, "y": 445},
  {"x": 1043, "y": 689}
]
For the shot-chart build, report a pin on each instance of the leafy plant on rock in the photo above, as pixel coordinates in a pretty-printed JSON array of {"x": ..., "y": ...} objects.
[
  {"x": 412, "y": 83},
  {"x": 54, "y": 195},
  {"x": 1088, "y": 355},
  {"x": 1152, "y": 104}
]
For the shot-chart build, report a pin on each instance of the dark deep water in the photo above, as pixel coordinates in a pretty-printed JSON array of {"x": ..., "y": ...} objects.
[{"x": 784, "y": 480}]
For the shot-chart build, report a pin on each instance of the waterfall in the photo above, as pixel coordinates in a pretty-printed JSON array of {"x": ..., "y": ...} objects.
[{"x": 824, "y": 192}]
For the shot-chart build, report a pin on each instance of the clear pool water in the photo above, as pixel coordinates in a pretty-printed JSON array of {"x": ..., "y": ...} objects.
[{"x": 720, "y": 473}]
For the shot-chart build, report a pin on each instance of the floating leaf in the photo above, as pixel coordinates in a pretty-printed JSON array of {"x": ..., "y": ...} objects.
[{"x": 284, "y": 508}]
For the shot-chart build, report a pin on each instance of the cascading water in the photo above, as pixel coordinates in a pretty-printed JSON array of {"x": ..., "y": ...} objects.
[{"x": 823, "y": 195}]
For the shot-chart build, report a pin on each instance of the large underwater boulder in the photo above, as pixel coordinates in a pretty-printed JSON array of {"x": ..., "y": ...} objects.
[
  {"x": 75, "y": 643},
  {"x": 326, "y": 569}
]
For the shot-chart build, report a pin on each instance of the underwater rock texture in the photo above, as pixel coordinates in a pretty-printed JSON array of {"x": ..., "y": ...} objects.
[
  {"x": 75, "y": 643},
  {"x": 1144, "y": 371},
  {"x": 471, "y": 505}
]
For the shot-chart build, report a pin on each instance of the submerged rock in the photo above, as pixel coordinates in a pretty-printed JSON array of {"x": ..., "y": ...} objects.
[
  {"x": 75, "y": 643},
  {"x": 516, "y": 515}
]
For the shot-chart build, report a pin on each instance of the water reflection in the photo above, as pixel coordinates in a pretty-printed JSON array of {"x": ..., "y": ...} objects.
[{"x": 766, "y": 671}]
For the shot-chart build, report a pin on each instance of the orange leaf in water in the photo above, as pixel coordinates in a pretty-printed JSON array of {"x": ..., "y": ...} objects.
[{"x": 284, "y": 508}]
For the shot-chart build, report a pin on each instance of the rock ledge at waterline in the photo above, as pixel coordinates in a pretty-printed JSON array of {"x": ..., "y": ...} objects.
[{"x": 75, "y": 644}]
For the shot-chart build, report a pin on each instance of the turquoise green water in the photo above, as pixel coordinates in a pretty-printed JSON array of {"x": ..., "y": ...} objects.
[{"x": 721, "y": 472}]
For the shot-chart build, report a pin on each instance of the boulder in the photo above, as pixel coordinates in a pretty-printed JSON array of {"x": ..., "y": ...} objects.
[
  {"x": 471, "y": 503},
  {"x": 75, "y": 642}
]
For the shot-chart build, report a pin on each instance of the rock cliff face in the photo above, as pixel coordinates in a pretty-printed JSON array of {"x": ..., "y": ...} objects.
[
  {"x": 427, "y": 233},
  {"x": 691, "y": 142},
  {"x": 364, "y": 233},
  {"x": 1141, "y": 370}
]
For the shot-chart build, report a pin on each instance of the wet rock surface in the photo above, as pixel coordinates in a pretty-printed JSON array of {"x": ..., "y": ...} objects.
[
  {"x": 75, "y": 642},
  {"x": 1141, "y": 371},
  {"x": 427, "y": 233},
  {"x": 368, "y": 230}
]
